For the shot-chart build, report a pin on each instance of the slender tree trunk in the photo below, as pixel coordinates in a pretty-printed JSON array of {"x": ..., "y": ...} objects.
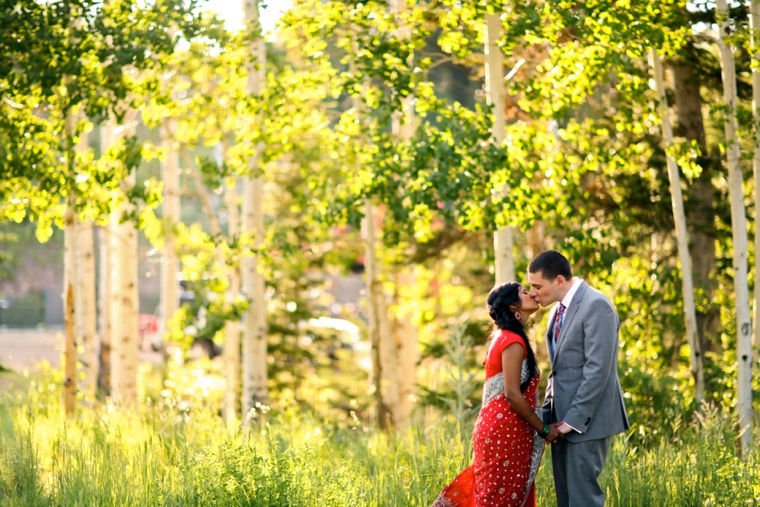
[
  {"x": 104, "y": 306},
  {"x": 86, "y": 317},
  {"x": 739, "y": 229},
  {"x": 405, "y": 335},
  {"x": 255, "y": 389},
  {"x": 200, "y": 187},
  {"x": 232, "y": 327},
  {"x": 700, "y": 208},
  {"x": 125, "y": 307},
  {"x": 70, "y": 275},
  {"x": 86, "y": 304},
  {"x": 384, "y": 353},
  {"x": 407, "y": 344},
  {"x": 171, "y": 217},
  {"x": 754, "y": 23},
  {"x": 681, "y": 234},
  {"x": 536, "y": 238},
  {"x": 504, "y": 238},
  {"x": 69, "y": 299},
  {"x": 384, "y": 372},
  {"x": 105, "y": 296}
]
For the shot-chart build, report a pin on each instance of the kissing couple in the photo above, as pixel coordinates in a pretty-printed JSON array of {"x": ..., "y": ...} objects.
[{"x": 583, "y": 407}]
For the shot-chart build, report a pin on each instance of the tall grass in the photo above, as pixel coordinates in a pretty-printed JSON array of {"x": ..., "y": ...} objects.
[{"x": 181, "y": 454}]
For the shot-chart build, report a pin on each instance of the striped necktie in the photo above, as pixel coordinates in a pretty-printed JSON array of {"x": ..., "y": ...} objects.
[{"x": 558, "y": 322}]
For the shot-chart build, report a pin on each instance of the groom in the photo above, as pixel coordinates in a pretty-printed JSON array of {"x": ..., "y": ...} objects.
[{"x": 583, "y": 397}]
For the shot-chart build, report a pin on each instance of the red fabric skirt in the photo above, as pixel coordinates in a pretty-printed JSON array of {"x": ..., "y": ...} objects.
[{"x": 507, "y": 453}]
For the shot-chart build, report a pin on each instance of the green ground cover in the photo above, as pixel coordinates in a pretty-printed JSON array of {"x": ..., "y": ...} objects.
[{"x": 178, "y": 452}]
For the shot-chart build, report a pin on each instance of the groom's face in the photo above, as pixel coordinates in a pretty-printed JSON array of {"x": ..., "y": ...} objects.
[{"x": 546, "y": 292}]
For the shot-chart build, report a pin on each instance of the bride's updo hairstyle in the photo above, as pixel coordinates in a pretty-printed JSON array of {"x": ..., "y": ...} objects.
[{"x": 504, "y": 319}]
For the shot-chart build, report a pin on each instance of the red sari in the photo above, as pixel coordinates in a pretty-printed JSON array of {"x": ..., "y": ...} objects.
[{"x": 507, "y": 449}]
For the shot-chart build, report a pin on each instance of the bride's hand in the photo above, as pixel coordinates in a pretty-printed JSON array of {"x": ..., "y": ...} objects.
[{"x": 554, "y": 434}]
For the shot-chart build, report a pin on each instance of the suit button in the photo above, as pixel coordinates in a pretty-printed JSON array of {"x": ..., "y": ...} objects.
[{"x": 588, "y": 421}]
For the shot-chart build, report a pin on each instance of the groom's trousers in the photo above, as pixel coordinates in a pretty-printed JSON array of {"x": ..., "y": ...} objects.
[{"x": 576, "y": 470}]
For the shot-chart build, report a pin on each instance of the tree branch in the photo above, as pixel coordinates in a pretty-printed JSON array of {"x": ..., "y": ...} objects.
[{"x": 202, "y": 192}]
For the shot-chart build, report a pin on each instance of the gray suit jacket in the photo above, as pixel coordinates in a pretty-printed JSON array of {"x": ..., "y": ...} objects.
[{"x": 584, "y": 388}]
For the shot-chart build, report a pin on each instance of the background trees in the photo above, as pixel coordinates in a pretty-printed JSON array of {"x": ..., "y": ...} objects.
[{"x": 364, "y": 143}]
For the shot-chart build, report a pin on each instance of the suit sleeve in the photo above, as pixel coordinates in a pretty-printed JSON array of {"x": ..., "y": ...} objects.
[
  {"x": 546, "y": 408},
  {"x": 600, "y": 328}
]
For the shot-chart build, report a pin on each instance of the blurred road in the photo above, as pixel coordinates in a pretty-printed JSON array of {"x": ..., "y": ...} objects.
[{"x": 25, "y": 348}]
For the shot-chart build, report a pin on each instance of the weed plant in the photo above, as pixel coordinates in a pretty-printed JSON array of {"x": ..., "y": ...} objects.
[{"x": 180, "y": 453}]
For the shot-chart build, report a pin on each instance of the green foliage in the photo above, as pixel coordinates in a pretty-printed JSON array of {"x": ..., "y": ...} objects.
[{"x": 63, "y": 61}]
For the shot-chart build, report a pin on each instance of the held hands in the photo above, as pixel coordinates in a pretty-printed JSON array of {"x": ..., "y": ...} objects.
[{"x": 554, "y": 433}]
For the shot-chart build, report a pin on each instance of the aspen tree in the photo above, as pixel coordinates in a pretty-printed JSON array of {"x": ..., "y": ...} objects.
[
  {"x": 171, "y": 217},
  {"x": 70, "y": 224},
  {"x": 679, "y": 217},
  {"x": 125, "y": 302},
  {"x": 69, "y": 299},
  {"x": 405, "y": 332},
  {"x": 231, "y": 327},
  {"x": 86, "y": 318},
  {"x": 87, "y": 305},
  {"x": 494, "y": 88},
  {"x": 384, "y": 358},
  {"x": 384, "y": 352},
  {"x": 739, "y": 232},
  {"x": 754, "y": 24},
  {"x": 105, "y": 276},
  {"x": 254, "y": 321}
]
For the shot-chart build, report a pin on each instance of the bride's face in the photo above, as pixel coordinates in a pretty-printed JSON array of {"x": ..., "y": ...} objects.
[{"x": 527, "y": 303}]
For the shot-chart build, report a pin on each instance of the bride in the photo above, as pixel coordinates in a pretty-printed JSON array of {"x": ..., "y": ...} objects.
[{"x": 509, "y": 437}]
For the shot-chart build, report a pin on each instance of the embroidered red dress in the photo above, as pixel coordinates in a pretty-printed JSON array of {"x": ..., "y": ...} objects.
[{"x": 507, "y": 449}]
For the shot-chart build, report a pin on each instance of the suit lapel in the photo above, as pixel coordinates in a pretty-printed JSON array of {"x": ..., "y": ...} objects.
[{"x": 568, "y": 318}]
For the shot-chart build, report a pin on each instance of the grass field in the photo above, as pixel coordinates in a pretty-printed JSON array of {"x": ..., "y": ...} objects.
[{"x": 179, "y": 453}]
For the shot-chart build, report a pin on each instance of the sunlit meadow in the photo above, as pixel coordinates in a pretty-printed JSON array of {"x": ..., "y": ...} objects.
[{"x": 177, "y": 451}]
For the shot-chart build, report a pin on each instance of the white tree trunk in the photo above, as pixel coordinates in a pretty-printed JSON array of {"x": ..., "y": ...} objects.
[
  {"x": 125, "y": 303},
  {"x": 739, "y": 230},
  {"x": 681, "y": 235},
  {"x": 254, "y": 320},
  {"x": 754, "y": 23},
  {"x": 104, "y": 301},
  {"x": 69, "y": 305},
  {"x": 405, "y": 335},
  {"x": 503, "y": 239},
  {"x": 406, "y": 340},
  {"x": 104, "y": 307},
  {"x": 171, "y": 217},
  {"x": 231, "y": 327},
  {"x": 86, "y": 305},
  {"x": 255, "y": 327},
  {"x": 70, "y": 282},
  {"x": 86, "y": 317}
]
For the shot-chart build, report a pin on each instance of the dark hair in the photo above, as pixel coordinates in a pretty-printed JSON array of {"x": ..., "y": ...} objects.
[
  {"x": 504, "y": 318},
  {"x": 550, "y": 264}
]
